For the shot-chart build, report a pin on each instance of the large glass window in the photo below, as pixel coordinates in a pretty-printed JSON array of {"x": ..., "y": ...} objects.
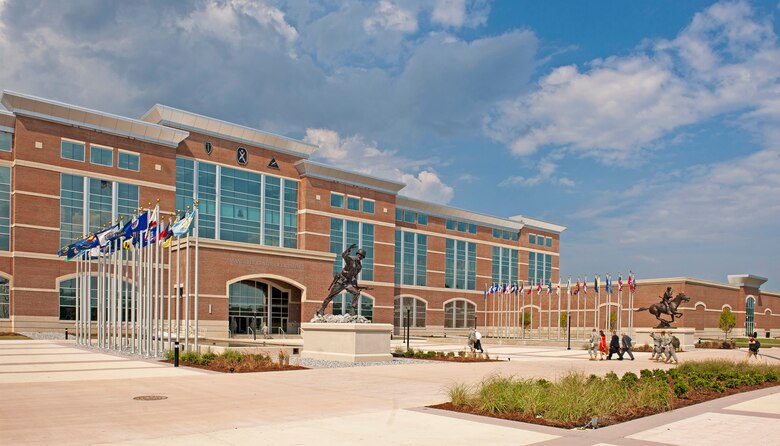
[
  {"x": 539, "y": 267},
  {"x": 342, "y": 304},
  {"x": 128, "y": 161},
  {"x": 252, "y": 304},
  {"x": 750, "y": 316},
  {"x": 411, "y": 306},
  {"x": 5, "y": 301},
  {"x": 272, "y": 215},
  {"x": 422, "y": 219},
  {"x": 504, "y": 265},
  {"x": 411, "y": 259},
  {"x": 368, "y": 206},
  {"x": 101, "y": 156},
  {"x": 5, "y": 208},
  {"x": 353, "y": 203},
  {"x": 6, "y": 141},
  {"x": 346, "y": 232},
  {"x": 548, "y": 242},
  {"x": 459, "y": 314},
  {"x": 207, "y": 200},
  {"x": 240, "y": 206},
  {"x": 532, "y": 239},
  {"x": 71, "y": 208},
  {"x": 460, "y": 261},
  {"x": 100, "y": 203},
  {"x": 68, "y": 299},
  {"x": 290, "y": 214},
  {"x": 70, "y": 150}
]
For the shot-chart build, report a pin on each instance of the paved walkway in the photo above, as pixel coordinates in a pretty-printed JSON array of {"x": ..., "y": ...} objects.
[{"x": 53, "y": 393}]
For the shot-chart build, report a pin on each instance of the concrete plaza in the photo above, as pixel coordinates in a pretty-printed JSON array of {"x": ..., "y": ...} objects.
[{"x": 54, "y": 393}]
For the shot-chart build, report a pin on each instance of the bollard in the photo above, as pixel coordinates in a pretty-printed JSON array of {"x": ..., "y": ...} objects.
[
  {"x": 176, "y": 354},
  {"x": 232, "y": 370},
  {"x": 66, "y": 334}
]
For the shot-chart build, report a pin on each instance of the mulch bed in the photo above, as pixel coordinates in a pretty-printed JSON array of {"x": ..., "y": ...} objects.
[
  {"x": 692, "y": 397},
  {"x": 215, "y": 368},
  {"x": 9, "y": 335},
  {"x": 459, "y": 359}
]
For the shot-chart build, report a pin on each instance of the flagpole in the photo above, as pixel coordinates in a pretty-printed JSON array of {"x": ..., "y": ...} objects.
[
  {"x": 187, "y": 293},
  {"x": 522, "y": 315},
  {"x": 178, "y": 288},
  {"x": 549, "y": 311},
  {"x": 170, "y": 286},
  {"x": 133, "y": 297},
  {"x": 197, "y": 238}
]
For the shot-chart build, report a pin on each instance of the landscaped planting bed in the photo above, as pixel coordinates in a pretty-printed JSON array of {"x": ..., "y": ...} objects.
[
  {"x": 11, "y": 336},
  {"x": 575, "y": 398},
  {"x": 461, "y": 356},
  {"x": 231, "y": 361}
]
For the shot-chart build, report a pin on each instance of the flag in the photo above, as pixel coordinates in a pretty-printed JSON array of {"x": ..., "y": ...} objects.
[
  {"x": 522, "y": 285},
  {"x": 596, "y": 283},
  {"x": 630, "y": 283},
  {"x": 620, "y": 282},
  {"x": 485, "y": 294},
  {"x": 530, "y": 288},
  {"x": 577, "y": 287},
  {"x": 559, "y": 286},
  {"x": 585, "y": 285},
  {"x": 181, "y": 227},
  {"x": 539, "y": 287},
  {"x": 507, "y": 288},
  {"x": 568, "y": 285},
  {"x": 609, "y": 284},
  {"x": 137, "y": 224},
  {"x": 633, "y": 283},
  {"x": 549, "y": 286},
  {"x": 154, "y": 217}
]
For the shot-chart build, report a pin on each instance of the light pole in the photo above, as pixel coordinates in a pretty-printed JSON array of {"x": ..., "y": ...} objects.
[{"x": 408, "y": 317}]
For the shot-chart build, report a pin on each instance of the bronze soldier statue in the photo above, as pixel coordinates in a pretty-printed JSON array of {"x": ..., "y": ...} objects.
[
  {"x": 346, "y": 279},
  {"x": 667, "y": 299}
]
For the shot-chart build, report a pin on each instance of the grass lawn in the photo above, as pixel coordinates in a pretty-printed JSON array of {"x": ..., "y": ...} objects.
[{"x": 765, "y": 343}]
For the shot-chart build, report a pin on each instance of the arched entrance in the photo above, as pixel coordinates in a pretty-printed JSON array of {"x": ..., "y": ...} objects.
[{"x": 254, "y": 303}]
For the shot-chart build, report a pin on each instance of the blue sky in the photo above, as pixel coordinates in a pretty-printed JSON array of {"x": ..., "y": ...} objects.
[{"x": 648, "y": 128}]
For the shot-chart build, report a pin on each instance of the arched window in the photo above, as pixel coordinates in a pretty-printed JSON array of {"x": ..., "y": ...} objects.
[
  {"x": 417, "y": 315},
  {"x": 459, "y": 313},
  {"x": 343, "y": 303},
  {"x": 253, "y": 304},
  {"x": 750, "y": 315},
  {"x": 5, "y": 300}
]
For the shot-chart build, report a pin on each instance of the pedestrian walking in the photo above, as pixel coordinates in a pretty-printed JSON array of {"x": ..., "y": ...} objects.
[
  {"x": 668, "y": 346},
  {"x": 626, "y": 344},
  {"x": 593, "y": 345},
  {"x": 614, "y": 347},
  {"x": 602, "y": 345},
  {"x": 478, "y": 341},
  {"x": 656, "y": 346},
  {"x": 472, "y": 339},
  {"x": 753, "y": 346}
]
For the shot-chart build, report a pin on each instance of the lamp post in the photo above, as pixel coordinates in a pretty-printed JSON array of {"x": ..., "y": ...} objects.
[
  {"x": 408, "y": 317},
  {"x": 568, "y": 327}
]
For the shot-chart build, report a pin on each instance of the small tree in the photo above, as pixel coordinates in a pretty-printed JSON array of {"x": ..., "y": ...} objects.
[
  {"x": 564, "y": 319},
  {"x": 727, "y": 321},
  {"x": 526, "y": 320},
  {"x": 613, "y": 321}
]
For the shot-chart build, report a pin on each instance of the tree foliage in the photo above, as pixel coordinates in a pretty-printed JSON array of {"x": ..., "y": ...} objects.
[{"x": 727, "y": 321}]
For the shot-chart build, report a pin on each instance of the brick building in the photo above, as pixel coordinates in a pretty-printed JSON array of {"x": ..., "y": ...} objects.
[{"x": 272, "y": 225}]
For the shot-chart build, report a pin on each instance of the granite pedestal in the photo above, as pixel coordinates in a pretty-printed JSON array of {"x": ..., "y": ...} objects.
[
  {"x": 347, "y": 342},
  {"x": 685, "y": 335}
]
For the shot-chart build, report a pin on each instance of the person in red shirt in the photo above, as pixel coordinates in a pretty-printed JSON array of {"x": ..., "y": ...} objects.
[{"x": 602, "y": 345}]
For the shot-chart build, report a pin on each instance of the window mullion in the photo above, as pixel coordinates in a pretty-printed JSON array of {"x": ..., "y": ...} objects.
[
  {"x": 217, "y": 202},
  {"x": 85, "y": 203},
  {"x": 262, "y": 209}
]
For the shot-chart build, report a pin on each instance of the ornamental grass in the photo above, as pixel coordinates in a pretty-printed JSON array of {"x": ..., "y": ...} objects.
[{"x": 575, "y": 397}]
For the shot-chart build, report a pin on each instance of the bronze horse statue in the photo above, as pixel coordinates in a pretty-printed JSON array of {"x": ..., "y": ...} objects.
[{"x": 660, "y": 308}]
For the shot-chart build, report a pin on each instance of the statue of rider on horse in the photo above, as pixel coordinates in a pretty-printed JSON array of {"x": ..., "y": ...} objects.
[{"x": 668, "y": 305}]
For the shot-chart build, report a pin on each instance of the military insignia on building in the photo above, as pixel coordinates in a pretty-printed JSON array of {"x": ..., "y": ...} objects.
[
  {"x": 273, "y": 164},
  {"x": 208, "y": 148},
  {"x": 242, "y": 156}
]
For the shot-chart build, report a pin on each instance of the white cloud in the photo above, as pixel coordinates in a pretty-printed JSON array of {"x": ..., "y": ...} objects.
[
  {"x": 460, "y": 13},
  {"x": 355, "y": 153},
  {"x": 726, "y": 60},
  {"x": 545, "y": 173},
  {"x": 389, "y": 16},
  {"x": 221, "y": 19}
]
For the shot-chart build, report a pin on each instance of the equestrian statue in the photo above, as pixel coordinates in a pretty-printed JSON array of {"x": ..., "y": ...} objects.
[{"x": 668, "y": 305}]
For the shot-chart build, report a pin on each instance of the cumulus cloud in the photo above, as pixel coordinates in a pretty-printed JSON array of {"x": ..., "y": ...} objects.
[
  {"x": 222, "y": 19},
  {"x": 390, "y": 16},
  {"x": 358, "y": 154},
  {"x": 460, "y": 13},
  {"x": 726, "y": 60},
  {"x": 545, "y": 173}
]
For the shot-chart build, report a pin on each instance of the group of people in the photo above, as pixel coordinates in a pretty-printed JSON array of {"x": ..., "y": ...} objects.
[
  {"x": 475, "y": 340},
  {"x": 663, "y": 347},
  {"x": 619, "y": 346}
]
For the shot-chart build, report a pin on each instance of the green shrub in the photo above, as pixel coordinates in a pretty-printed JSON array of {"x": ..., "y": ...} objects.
[
  {"x": 680, "y": 388},
  {"x": 231, "y": 356},
  {"x": 629, "y": 379},
  {"x": 612, "y": 376},
  {"x": 659, "y": 374},
  {"x": 459, "y": 394},
  {"x": 207, "y": 357},
  {"x": 169, "y": 355},
  {"x": 645, "y": 373},
  {"x": 190, "y": 356},
  {"x": 450, "y": 354}
]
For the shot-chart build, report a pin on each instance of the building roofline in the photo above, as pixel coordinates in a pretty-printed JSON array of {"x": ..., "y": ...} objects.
[
  {"x": 312, "y": 169},
  {"x": 445, "y": 211},
  {"x": 7, "y": 121},
  {"x": 176, "y": 118},
  {"x": 76, "y": 116},
  {"x": 539, "y": 224}
]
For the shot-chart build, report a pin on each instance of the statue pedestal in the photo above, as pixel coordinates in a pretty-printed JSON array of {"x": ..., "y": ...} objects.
[
  {"x": 347, "y": 342},
  {"x": 685, "y": 335}
]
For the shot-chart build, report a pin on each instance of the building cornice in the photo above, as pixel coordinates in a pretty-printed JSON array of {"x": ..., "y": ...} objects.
[
  {"x": 316, "y": 170},
  {"x": 72, "y": 115}
]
